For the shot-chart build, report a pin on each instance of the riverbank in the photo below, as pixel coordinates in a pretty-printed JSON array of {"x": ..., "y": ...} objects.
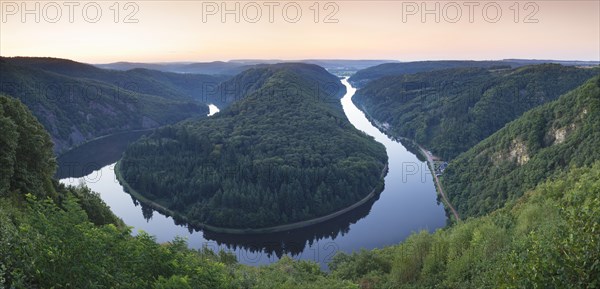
[
  {"x": 438, "y": 183},
  {"x": 274, "y": 229},
  {"x": 416, "y": 149}
]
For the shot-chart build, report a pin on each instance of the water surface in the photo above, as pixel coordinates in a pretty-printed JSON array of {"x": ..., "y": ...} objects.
[{"x": 407, "y": 204}]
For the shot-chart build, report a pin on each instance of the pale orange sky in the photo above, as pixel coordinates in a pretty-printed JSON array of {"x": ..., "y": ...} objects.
[{"x": 175, "y": 31}]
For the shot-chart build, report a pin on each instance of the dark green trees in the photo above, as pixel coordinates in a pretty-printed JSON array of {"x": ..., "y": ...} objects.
[
  {"x": 282, "y": 154},
  {"x": 26, "y": 158},
  {"x": 449, "y": 111}
]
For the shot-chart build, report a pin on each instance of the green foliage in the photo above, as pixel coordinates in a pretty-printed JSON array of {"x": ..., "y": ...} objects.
[
  {"x": 512, "y": 247},
  {"x": 289, "y": 274},
  {"x": 96, "y": 209},
  {"x": 27, "y": 162},
  {"x": 276, "y": 156},
  {"x": 574, "y": 261},
  {"x": 450, "y": 111},
  {"x": 539, "y": 145},
  {"x": 369, "y": 265},
  {"x": 47, "y": 246},
  {"x": 175, "y": 282}
]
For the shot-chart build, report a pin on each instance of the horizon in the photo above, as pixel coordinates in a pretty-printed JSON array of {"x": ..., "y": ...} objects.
[
  {"x": 241, "y": 60},
  {"x": 202, "y": 31}
]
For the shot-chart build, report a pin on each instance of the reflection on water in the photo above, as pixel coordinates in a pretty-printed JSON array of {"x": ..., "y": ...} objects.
[
  {"x": 94, "y": 155},
  {"x": 315, "y": 243},
  {"x": 407, "y": 204},
  {"x": 294, "y": 242}
]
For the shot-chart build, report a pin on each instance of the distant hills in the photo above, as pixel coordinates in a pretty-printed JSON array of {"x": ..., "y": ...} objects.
[
  {"x": 215, "y": 67},
  {"x": 362, "y": 77},
  {"x": 236, "y": 66},
  {"x": 561, "y": 62},
  {"x": 78, "y": 102},
  {"x": 449, "y": 111}
]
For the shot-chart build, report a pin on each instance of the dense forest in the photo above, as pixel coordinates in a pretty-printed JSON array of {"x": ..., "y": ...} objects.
[
  {"x": 449, "y": 111},
  {"x": 539, "y": 145},
  {"x": 363, "y": 76},
  {"x": 546, "y": 239},
  {"x": 52, "y": 236},
  {"x": 283, "y": 153},
  {"x": 76, "y": 102}
]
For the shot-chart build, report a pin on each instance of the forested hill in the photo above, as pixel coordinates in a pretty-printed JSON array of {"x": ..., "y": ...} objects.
[
  {"x": 316, "y": 83},
  {"x": 363, "y": 76},
  {"x": 539, "y": 145},
  {"x": 169, "y": 85},
  {"x": 283, "y": 153},
  {"x": 449, "y": 111},
  {"x": 76, "y": 109}
]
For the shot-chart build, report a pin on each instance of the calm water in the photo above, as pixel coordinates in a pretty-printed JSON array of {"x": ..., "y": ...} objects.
[{"x": 407, "y": 204}]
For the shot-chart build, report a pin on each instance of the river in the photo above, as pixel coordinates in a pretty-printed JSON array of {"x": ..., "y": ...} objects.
[{"x": 407, "y": 204}]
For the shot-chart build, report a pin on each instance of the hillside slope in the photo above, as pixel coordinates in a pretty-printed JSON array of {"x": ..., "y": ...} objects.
[
  {"x": 539, "y": 145},
  {"x": 363, "y": 76},
  {"x": 75, "y": 110}
]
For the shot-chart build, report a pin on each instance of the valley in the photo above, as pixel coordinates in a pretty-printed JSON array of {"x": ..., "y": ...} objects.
[
  {"x": 412, "y": 202},
  {"x": 531, "y": 181},
  {"x": 299, "y": 144}
]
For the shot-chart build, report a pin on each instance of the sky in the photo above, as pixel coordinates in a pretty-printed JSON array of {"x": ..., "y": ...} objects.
[{"x": 163, "y": 31}]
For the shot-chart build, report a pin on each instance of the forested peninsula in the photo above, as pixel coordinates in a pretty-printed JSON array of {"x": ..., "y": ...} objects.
[{"x": 284, "y": 152}]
